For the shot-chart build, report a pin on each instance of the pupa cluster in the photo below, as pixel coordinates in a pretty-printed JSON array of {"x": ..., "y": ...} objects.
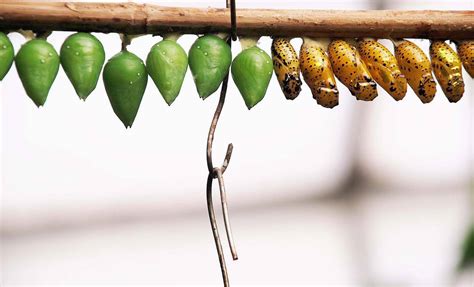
[{"x": 362, "y": 64}]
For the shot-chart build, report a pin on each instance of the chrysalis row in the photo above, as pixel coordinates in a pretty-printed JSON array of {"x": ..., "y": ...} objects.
[{"x": 358, "y": 64}]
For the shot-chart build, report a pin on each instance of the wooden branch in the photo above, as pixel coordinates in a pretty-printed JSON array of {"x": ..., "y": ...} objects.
[{"x": 133, "y": 18}]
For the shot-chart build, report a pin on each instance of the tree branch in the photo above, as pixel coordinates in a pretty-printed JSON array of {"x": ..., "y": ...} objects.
[{"x": 133, "y": 18}]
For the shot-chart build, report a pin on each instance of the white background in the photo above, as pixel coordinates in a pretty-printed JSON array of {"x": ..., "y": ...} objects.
[{"x": 85, "y": 201}]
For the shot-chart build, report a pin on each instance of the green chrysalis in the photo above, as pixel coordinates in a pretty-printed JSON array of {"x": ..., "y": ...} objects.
[
  {"x": 209, "y": 60},
  {"x": 82, "y": 58},
  {"x": 37, "y": 63},
  {"x": 251, "y": 72},
  {"x": 167, "y": 64},
  {"x": 125, "y": 80},
  {"x": 7, "y": 55}
]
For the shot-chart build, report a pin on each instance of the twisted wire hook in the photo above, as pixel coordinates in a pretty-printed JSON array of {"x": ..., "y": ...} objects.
[
  {"x": 233, "y": 19},
  {"x": 217, "y": 172}
]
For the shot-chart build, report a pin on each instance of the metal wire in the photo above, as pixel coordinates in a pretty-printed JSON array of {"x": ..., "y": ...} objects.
[
  {"x": 233, "y": 19},
  {"x": 217, "y": 172}
]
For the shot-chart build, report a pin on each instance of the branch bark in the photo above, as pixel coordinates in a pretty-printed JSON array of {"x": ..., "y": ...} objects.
[{"x": 133, "y": 18}]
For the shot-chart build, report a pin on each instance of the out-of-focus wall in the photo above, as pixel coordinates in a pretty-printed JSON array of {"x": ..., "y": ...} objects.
[
  {"x": 84, "y": 201},
  {"x": 76, "y": 158}
]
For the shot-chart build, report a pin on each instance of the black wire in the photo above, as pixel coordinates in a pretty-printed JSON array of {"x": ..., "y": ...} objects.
[{"x": 233, "y": 20}]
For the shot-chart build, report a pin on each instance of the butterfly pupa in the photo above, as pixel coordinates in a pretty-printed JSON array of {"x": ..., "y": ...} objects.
[
  {"x": 383, "y": 67},
  {"x": 287, "y": 67},
  {"x": 252, "y": 71},
  {"x": 351, "y": 70},
  {"x": 447, "y": 68},
  {"x": 466, "y": 53},
  {"x": 317, "y": 72},
  {"x": 416, "y": 67}
]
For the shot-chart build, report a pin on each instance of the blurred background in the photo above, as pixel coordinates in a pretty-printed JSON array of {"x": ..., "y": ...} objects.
[{"x": 366, "y": 194}]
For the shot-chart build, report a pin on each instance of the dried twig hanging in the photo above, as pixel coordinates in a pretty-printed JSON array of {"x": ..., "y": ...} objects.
[{"x": 217, "y": 172}]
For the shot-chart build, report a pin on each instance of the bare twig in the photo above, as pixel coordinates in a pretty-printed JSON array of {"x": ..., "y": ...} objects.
[
  {"x": 215, "y": 231},
  {"x": 217, "y": 172},
  {"x": 132, "y": 18},
  {"x": 212, "y": 129},
  {"x": 225, "y": 213}
]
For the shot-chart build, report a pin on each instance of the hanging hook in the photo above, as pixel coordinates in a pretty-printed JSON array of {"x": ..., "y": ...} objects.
[
  {"x": 233, "y": 19},
  {"x": 217, "y": 172}
]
